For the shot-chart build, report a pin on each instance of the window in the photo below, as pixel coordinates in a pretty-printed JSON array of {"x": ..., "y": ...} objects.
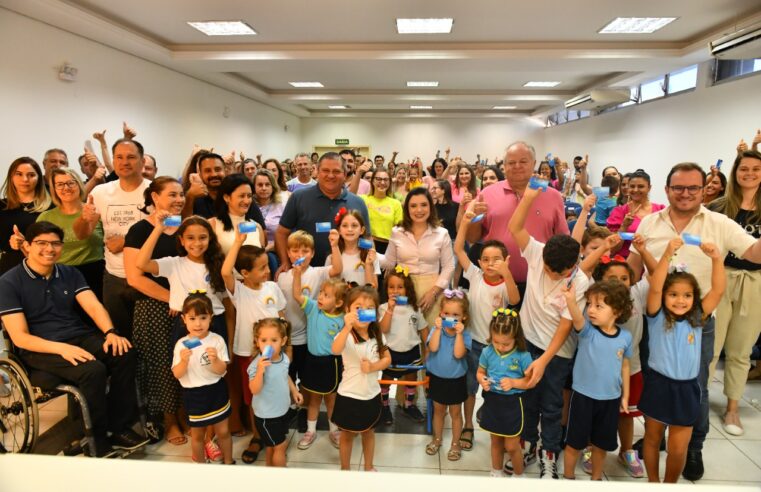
[
  {"x": 683, "y": 80},
  {"x": 730, "y": 69},
  {"x": 652, "y": 90}
]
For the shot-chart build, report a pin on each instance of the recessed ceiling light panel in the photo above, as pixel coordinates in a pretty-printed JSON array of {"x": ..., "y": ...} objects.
[
  {"x": 422, "y": 83},
  {"x": 223, "y": 28},
  {"x": 421, "y": 107},
  {"x": 338, "y": 106},
  {"x": 542, "y": 84},
  {"x": 424, "y": 26},
  {"x": 302, "y": 85},
  {"x": 504, "y": 107},
  {"x": 636, "y": 25}
]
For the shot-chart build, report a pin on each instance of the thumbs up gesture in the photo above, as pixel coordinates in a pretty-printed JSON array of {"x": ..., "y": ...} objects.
[
  {"x": 742, "y": 146},
  {"x": 479, "y": 206},
  {"x": 129, "y": 132},
  {"x": 17, "y": 239},
  {"x": 89, "y": 212},
  {"x": 100, "y": 136},
  {"x": 757, "y": 139}
]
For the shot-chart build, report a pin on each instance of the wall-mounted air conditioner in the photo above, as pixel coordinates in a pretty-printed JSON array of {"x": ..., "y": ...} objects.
[
  {"x": 598, "y": 99},
  {"x": 744, "y": 44}
]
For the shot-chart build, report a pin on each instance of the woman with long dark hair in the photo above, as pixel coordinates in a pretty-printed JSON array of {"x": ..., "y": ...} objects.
[
  {"x": 234, "y": 205},
  {"x": 626, "y": 218}
]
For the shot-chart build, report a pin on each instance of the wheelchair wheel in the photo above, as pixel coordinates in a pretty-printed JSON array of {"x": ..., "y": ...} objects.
[{"x": 19, "y": 417}]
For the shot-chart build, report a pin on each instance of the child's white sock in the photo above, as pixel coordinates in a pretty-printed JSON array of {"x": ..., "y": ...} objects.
[
  {"x": 311, "y": 426},
  {"x": 333, "y": 427}
]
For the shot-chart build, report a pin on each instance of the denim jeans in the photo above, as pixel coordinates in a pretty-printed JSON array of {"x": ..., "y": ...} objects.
[
  {"x": 701, "y": 427},
  {"x": 545, "y": 402}
]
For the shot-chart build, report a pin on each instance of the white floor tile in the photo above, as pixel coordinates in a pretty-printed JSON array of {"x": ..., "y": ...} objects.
[
  {"x": 751, "y": 449},
  {"x": 400, "y": 469},
  {"x": 403, "y": 450},
  {"x": 724, "y": 461}
]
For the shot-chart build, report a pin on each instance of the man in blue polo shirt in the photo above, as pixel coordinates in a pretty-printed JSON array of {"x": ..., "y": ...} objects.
[
  {"x": 319, "y": 203},
  {"x": 37, "y": 307}
]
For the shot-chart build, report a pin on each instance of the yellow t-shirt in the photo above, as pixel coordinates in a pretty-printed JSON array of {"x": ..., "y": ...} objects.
[{"x": 384, "y": 214}]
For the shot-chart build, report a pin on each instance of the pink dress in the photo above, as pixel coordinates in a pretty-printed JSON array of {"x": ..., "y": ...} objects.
[{"x": 616, "y": 218}]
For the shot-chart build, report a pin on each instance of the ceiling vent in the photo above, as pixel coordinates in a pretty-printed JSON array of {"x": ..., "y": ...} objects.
[
  {"x": 598, "y": 99},
  {"x": 744, "y": 44}
]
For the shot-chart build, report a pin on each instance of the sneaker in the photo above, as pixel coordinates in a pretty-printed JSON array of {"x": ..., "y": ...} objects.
[
  {"x": 732, "y": 425},
  {"x": 414, "y": 413},
  {"x": 335, "y": 438},
  {"x": 529, "y": 457},
  {"x": 548, "y": 465},
  {"x": 632, "y": 463},
  {"x": 693, "y": 468},
  {"x": 640, "y": 442},
  {"x": 301, "y": 421},
  {"x": 586, "y": 461},
  {"x": 307, "y": 440},
  {"x": 497, "y": 474},
  {"x": 128, "y": 439},
  {"x": 386, "y": 417},
  {"x": 212, "y": 452}
]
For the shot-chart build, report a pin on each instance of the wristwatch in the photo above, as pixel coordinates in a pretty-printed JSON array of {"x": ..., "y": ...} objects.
[{"x": 112, "y": 330}]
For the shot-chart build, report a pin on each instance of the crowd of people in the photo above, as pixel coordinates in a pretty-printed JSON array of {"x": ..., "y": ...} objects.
[{"x": 244, "y": 294}]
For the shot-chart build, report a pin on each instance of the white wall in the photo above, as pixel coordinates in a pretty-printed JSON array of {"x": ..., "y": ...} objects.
[
  {"x": 424, "y": 136},
  {"x": 170, "y": 111},
  {"x": 701, "y": 126}
]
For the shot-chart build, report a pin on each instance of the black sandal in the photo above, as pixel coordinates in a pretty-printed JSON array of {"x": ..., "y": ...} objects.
[
  {"x": 249, "y": 456},
  {"x": 466, "y": 440}
]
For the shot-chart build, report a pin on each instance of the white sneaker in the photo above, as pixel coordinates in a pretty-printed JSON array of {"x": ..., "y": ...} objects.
[
  {"x": 586, "y": 461},
  {"x": 307, "y": 440},
  {"x": 732, "y": 425},
  {"x": 548, "y": 465},
  {"x": 497, "y": 474}
]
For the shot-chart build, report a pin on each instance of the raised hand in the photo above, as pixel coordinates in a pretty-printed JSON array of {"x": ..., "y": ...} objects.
[
  {"x": 742, "y": 146},
  {"x": 89, "y": 212},
  {"x": 129, "y": 132},
  {"x": 333, "y": 237},
  {"x": 589, "y": 202},
  {"x": 17, "y": 239},
  {"x": 756, "y": 139},
  {"x": 673, "y": 246},
  {"x": 710, "y": 250},
  {"x": 100, "y": 136}
]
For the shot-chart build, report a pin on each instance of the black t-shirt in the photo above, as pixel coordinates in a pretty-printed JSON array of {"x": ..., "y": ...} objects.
[
  {"x": 447, "y": 213},
  {"x": 19, "y": 217},
  {"x": 752, "y": 228},
  {"x": 204, "y": 207},
  {"x": 166, "y": 246}
]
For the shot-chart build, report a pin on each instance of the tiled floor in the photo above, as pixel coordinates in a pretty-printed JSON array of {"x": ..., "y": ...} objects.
[{"x": 728, "y": 460}]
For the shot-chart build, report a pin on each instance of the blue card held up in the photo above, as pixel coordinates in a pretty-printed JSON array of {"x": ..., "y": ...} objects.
[
  {"x": 691, "y": 239},
  {"x": 538, "y": 184},
  {"x": 299, "y": 261},
  {"x": 719, "y": 163},
  {"x": 192, "y": 343},
  {"x": 601, "y": 192},
  {"x": 402, "y": 300},
  {"x": 322, "y": 226},
  {"x": 365, "y": 243},
  {"x": 448, "y": 322},
  {"x": 268, "y": 351},
  {"x": 247, "y": 227},
  {"x": 626, "y": 236},
  {"x": 173, "y": 221},
  {"x": 367, "y": 315},
  {"x": 477, "y": 218}
]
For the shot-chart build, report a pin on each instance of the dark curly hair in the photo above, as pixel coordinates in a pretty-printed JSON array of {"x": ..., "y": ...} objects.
[
  {"x": 695, "y": 315},
  {"x": 212, "y": 257},
  {"x": 616, "y": 295},
  {"x": 409, "y": 287},
  {"x": 561, "y": 253},
  {"x": 504, "y": 323}
]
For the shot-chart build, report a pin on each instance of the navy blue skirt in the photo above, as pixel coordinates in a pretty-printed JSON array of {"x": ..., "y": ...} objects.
[
  {"x": 206, "y": 405},
  {"x": 670, "y": 401}
]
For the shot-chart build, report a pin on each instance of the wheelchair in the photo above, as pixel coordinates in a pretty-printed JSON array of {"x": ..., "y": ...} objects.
[{"x": 21, "y": 393}]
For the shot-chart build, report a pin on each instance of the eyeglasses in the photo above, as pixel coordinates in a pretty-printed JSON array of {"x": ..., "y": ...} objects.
[
  {"x": 678, "y": 189},
  {"x": 381, "y": 180},
  {"x": 44, "y": 244},
  {"x": 68, "y": 184}
]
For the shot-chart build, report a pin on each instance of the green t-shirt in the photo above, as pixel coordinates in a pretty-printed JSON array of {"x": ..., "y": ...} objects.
[
  {"x": 384, "y": 214},
  {"x": 75, "y": 251}
]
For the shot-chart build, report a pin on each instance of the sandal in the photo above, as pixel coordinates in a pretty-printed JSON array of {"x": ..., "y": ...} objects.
[
  {"x": 466, "y": 443},
  {"x": 455, "y": 453},
  {"x": 433, "y": 447},
  {"x": 175, "y": 436},
  {"x": 249, "y": 456}
]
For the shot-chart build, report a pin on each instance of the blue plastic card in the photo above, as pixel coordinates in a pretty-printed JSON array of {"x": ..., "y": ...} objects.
[
  {"x": 365, "y": 243},
  {"x": 402, "y": 300},
  {"x": 299, "y": 261},
  {"x": 322, "y": 226},
  {"x": 367, "y": 315},
  {"x": 626, "y": 236},
  {"x": 691, "y": 239},
  {"x": 247, "y": 227},
  {"x": 572, "y": 277},
  {"x": 494, "y": 381},
  {"x": 551, "y": 162},
  {"x": 719, "y": 163},
  {"x": 601, "y": 192},
  {"x": 192, "y": 343},
  {"x": 477, "y": 218},
  {"x": 538, "y": 184},
  {"x": 173, "y": 221},
  {"x": 448, "y": 322},
  {"x": 268, "y": 351}
]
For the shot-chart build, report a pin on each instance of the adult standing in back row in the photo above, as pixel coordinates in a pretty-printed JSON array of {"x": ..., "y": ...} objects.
[
  {"x": 686, "y": 214},
  {"x": 320, "y": 203}
]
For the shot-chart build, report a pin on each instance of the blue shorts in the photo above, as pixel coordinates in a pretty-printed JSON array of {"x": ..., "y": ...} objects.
[{"x": 474, "y": 354}]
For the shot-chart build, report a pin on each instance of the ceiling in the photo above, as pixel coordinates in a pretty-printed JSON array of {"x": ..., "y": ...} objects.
[{"x": 353, "y": 49}]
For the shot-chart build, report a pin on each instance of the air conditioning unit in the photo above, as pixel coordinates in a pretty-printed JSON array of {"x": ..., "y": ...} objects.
[
  {"x": 598, "y": 99},
  {"x": 744, "y": 44}
]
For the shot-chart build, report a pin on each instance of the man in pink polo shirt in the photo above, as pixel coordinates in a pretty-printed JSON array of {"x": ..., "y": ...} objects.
[{"x": 499, "y": 201}]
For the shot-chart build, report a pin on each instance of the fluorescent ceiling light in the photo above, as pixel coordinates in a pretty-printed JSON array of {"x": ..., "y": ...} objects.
[
  {"x": 338, "y": 106},
  {"x": 504, "y": 107},
  {"x": 636, "y": 25},
  {"x": 424, "y": 26},
  {"x": 422, "y": 83},
  {"x": 301, "y": 85},
  {"x": 421, "y": 107},
  {"x": 223, "y": 28},
  {"x": 541, "y": 84}
]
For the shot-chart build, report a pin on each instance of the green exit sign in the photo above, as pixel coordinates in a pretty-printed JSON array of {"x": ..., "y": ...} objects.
[{"x": 342, "y": 141}]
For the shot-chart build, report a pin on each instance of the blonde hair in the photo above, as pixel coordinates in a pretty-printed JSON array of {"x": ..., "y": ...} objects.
[
  {"x": 64, "y": 171},
  {"x": 300, "y": 238}
]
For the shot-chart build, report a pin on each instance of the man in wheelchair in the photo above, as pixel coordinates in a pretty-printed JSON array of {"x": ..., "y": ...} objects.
[{"x": 37, "y": 307}]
